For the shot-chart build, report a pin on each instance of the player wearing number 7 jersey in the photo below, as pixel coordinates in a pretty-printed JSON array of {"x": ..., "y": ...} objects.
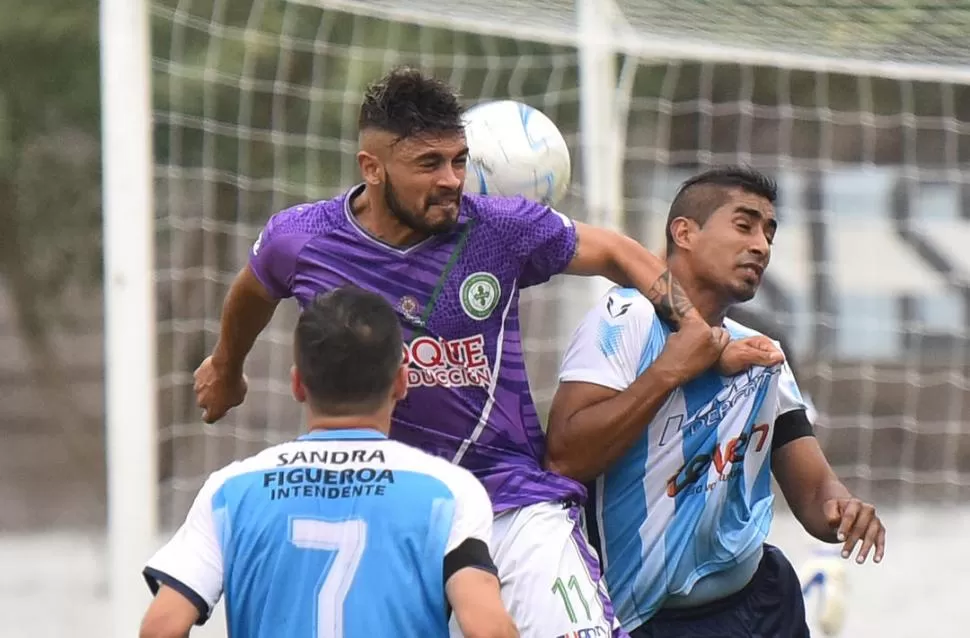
[{"x": 341, "y": 533}]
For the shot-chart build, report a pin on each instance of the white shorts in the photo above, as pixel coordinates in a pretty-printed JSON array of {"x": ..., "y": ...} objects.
[{"x": 551, "y": 580}]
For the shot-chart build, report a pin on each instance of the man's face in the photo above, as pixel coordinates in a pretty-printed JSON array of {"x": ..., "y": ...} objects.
[
  {"x": 423, "y": 180},
  {"x": 732, "y": 249}
]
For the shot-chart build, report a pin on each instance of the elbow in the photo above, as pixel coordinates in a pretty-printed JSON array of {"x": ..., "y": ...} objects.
[
  {"x": 555, "y": 459},
  {"x": 559, "y": 462},
  {"x": 554, "y": 464}
]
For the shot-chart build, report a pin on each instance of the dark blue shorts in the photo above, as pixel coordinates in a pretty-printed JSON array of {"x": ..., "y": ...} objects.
[{"x": 770, "y": 606}]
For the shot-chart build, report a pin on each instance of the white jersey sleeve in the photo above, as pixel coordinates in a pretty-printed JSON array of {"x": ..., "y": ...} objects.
[
  {"x": 473, "y": 511},
  {"x": 789, "y": 395},
  {"x": 619, "y": 338},
  {"x": 192, "y": 561}
]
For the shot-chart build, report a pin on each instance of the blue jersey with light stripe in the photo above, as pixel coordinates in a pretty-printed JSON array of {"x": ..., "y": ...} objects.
[
  {"x": 340, "y": 534},
  {"x": 692, "y": 498}
]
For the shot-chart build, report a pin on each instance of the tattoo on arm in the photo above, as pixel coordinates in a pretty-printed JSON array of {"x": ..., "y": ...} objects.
[{"x": 669, "y": 299}]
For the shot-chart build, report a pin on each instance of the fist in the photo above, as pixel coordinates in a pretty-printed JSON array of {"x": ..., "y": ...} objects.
[
  {"x": 855, "y": 521},
  {"x": 693, "y": 349},
  {"x": 217, "y": 390},
  {"x": 741, "y": 354}
]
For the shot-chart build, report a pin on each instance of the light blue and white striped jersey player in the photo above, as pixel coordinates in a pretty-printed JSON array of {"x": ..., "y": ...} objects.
[
  {"x": 338, "y": 534},
  {"x": 692, "y": 497}
]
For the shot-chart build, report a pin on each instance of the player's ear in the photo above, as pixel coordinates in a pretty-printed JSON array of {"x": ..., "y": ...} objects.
[
  {"x": 683, "y": 231},
  {"x": 371, "y": 168},
  {"x": 399, "y": 389},
  {"x": 296, "y": 385}
]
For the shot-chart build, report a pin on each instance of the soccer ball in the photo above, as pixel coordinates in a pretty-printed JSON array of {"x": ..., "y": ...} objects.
[
  {"x": 823, "y": 581},
  {"x": 514, "y": 149}
]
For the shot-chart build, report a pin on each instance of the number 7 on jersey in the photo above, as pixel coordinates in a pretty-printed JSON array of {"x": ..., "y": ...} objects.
[{"x": 347, "y": 540}]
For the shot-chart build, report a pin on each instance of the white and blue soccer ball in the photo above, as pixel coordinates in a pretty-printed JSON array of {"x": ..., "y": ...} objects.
[
  {"x": 514, "y": 149},
  {"x": 825, "y": 587}
]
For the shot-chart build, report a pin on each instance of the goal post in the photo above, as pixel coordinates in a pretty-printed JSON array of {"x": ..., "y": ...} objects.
[{"x": 129, "y": 306}]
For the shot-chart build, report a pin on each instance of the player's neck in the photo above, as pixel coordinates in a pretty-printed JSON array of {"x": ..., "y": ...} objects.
[
  {"x": 373, "y": 216},
  {"x": 318, "y": 423},
  {"x": 708, "y": 303},
  {"x": 379, "y": 420}
]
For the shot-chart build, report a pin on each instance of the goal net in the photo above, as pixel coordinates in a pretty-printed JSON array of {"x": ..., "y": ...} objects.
[{"x": 859, "y": 109}]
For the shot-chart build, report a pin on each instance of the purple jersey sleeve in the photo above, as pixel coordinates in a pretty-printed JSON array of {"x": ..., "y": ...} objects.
[
  {"x": 273, "y": 257},
  {"x": 545, "y": 240}
]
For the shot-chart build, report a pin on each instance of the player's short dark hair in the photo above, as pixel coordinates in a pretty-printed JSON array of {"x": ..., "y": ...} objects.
[
  {"x": 348, "y": 349},
  {"x": 407, "y": 102},
  {"x": 701, "y": 195}
]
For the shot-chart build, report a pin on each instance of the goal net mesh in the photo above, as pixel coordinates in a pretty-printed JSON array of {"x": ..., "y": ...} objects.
[{"x": 869, "y": 288}]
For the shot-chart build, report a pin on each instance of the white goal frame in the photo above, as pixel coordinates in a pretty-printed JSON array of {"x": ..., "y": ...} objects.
[
  {"x": 131, "y": 413},
  {"x": 599, "y": 35}
]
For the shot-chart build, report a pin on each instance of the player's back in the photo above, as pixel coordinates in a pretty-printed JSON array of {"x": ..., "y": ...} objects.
[{"x": 337, "y": 534}]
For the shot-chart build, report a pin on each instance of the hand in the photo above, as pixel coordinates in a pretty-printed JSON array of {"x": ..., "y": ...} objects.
[
  {"x": 217, "y": 390},
  {"x": 853, "y": 521},
  {"x": 692, "y": 350},
  {"x": 741, "y": 354}
]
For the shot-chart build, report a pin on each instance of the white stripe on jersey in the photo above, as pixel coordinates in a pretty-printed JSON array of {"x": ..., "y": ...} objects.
[
  {"x": 679, "y": 504},
  {"x": 490, "y": 402}
]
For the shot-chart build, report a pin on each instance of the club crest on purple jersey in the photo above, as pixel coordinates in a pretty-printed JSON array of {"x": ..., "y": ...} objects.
[
  {"x": 457, "y": 296},
  {"x": 479, "y": 294}
]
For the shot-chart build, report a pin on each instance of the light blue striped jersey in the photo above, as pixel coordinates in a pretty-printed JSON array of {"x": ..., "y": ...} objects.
[
  {"x": 339, "y": 534},
  {"x": 692, "y": 497}
]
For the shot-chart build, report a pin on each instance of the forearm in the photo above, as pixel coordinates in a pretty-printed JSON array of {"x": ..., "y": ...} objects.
[
  {"x": 811, "y": 515},
  {"x": 163, "y": 633},
  {"x": 584, "y": 445},
  {"x": 490, "y": 625},
  {"x": 635, "y": 266},
  {"x": 245, "y": 313}
]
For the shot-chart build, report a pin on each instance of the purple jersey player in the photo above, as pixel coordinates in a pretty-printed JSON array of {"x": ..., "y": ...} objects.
[
  {"x": 457, "y": 298},
  {"x": 453, "y": 265}
]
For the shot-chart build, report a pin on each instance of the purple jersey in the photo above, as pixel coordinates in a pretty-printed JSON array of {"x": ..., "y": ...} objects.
[{"x": 457, "y": 297}]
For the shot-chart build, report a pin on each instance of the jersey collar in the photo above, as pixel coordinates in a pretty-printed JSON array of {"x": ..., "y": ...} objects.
[{"x": 350, "y": 434}]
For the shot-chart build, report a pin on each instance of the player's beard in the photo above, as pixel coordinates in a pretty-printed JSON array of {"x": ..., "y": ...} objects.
[{"x": 411, "y": 219}]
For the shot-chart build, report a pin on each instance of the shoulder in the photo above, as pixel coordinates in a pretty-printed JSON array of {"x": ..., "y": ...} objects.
[
  {"x": 264, "y": 460},
  {"x": 508, "y": 214},
  {"x": 306, "y": 219},
  {"x": 738, "y": 330},
  {"x": 620, "y": 302},
  {"x": 620, "y": 307},
  {"x": 615, "y": 340}
]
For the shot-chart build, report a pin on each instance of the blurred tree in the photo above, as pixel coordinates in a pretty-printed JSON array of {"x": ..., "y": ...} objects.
[{"x": 49, "y": 179}]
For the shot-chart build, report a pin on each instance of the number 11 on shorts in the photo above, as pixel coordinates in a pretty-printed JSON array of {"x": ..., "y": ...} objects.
[{"x": 558, "y": 587}]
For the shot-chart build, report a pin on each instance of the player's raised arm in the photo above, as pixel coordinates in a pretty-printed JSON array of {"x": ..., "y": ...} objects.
[
  {"x": 818, "y": 499},
  {"x": 219, "y": 381},
  {"x": 616, "y": 374},
  {"x": 247, "y": 309},
  {"x": 471, "y": 580},
  {"x": 625, "y": 262},
  {"x": 549, "y": 243}
]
